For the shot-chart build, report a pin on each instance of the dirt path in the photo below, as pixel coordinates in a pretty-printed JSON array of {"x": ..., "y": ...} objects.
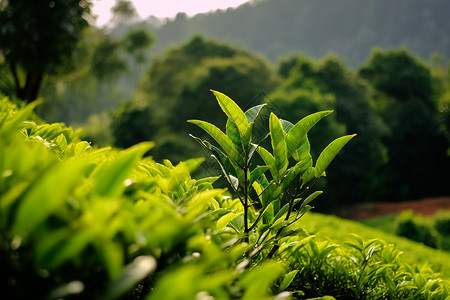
[{"x": 371, "y": 210}]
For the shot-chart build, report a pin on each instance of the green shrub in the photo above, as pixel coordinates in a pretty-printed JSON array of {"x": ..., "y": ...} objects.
[
  {"x": 359, "y": 270},
  {"x": 414, "y": 228},
  {"x": 442, "y": 223}
]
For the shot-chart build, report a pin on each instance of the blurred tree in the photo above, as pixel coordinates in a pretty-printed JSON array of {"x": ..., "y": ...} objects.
[
  {"x": 399, "y": 75},
  {"x": 418, "y": 165},
  {"x": 37, "y": 37},
  {"x": 124, "y": 12},
  {"x": 107, "y": 63},
  {"x": 176, "y": 88},
  {"x": 136, "y": 42},
  {"x": 440, "y": 72},
  {"x": 311, "y": 86},
  {"x": 107, "y": 73},
  {"x": 128, "y": 124}
]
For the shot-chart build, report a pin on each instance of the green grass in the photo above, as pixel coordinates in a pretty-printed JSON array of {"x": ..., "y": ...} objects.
[{"x": 339, "y": 230}]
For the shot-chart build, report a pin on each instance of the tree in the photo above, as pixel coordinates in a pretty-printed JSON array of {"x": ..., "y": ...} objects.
[
  {"x": 418, "y": 162},
  {"x": 35, "y": 44},
  {"x": 124, "y": 12},
  {"x": 176, "y": 89},
  {"x": 328, "y": 84}
]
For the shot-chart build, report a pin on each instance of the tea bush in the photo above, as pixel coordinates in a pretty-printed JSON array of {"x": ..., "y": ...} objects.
[
  {"x": 79, "y": 222},
  {"x": 415, "y": 228},
  {"x": 441, "y": 222}
]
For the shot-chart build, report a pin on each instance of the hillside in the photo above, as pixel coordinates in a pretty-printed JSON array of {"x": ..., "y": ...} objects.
[{"x": 350, "y": 28}]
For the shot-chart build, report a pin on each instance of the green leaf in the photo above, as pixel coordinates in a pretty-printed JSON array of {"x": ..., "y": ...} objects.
[
  {"x": 221, "y": 138},
  {"x": 247, "y": 136},
  {"x": 307, "y": 176},
  {"x": 269, "y": 160},
  {"x": 257, "y": 281},
  {"x": 286, "y": 125},
  {"x": 109, "y": 177},
  {"x": 298, "y": 132},
  {"x": 233, "y": 133},
  {"x": 287, "y": 280},
  {"x": 302, "y": 154},
  {"x": 281, "y": 212},
  {"x": 257, "y": 172},
  {"x": 292, "y": 173},
  {"x": 268, "y": 214},
  {"x": 46, "y": 194},
  {"x": 234, "y": 182},
  {"x": 224, "y": 220},
  {"x": 278, "y": 135},
  {"x": 253, "y": 112},
  {"x": 310, "y": 198},
  {"x": 20, "y": 117},
  {"x": 329, "y": 153},
  {"x": 233, "y": 111}
]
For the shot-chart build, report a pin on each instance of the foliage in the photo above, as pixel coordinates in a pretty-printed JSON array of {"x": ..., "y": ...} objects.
[
  {"x": 359, "y": 270},
  {"x": 30, "y": 48},
  {"x": 430, "y": 230},
  {"x": 107, "y": 75},
  {"x": 414, "y": 228},
  {"x": 123, "y": 12},
  {"x": 174, "y": 90},
  {"x": 404, "y": 99},
  {"x": 79, "y": 222},
  {"x": 109, "y": 61},
  {"x": 337, "y": 230},
  {"x": 131, "y": 123},
  {"x": 329, "y": 84},
  {"x": 317, "y": 268},
  {"x": 441, "y": 223},
  {"x": 291, "y": 170}
]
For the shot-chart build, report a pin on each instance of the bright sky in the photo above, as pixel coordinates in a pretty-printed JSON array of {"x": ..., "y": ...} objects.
[{"x": 163, "y": 8}]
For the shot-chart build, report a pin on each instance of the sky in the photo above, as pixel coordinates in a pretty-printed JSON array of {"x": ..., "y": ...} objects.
[{"x": 163, "y": 8}]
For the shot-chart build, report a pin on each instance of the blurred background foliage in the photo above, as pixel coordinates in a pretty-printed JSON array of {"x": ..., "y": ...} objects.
[{"x": 387, "y": 78}]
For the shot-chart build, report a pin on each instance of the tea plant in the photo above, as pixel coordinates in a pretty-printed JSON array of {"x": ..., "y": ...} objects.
[
  {"x": 358, "y": 270},
  {"x": 272, "y": 202}
]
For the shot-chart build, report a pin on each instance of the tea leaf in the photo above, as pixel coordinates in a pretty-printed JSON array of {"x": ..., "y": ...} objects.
[
  {"x": 109, "y": 177},
  {"x": 298, "y": 132},
  {"x": 221, "y": 138},
  {"x": 277, "y": 135},
  {"x": 46, "y": 194},
  {"x": 288, "y": 279},
  {"x": 329, "y": 153},
  {"x": 233, "y": 111}
]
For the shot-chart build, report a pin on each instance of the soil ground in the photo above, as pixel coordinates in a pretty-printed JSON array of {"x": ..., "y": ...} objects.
[{"x": 425, "y": 207}]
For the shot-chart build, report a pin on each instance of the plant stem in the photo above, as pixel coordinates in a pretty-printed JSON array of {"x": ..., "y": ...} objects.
[{"x": 246, "y": 231}]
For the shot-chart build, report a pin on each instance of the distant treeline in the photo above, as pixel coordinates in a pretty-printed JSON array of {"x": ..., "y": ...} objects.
[
  {"x": 349, "y": 28},
  {"x": 397, "y": 104}
]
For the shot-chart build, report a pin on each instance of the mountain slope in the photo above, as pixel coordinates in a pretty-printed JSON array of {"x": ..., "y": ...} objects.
[{"x": 350, "y": 28}]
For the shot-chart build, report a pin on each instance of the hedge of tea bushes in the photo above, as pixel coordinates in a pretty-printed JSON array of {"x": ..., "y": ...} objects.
[{"x": 79, "y": 222}]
